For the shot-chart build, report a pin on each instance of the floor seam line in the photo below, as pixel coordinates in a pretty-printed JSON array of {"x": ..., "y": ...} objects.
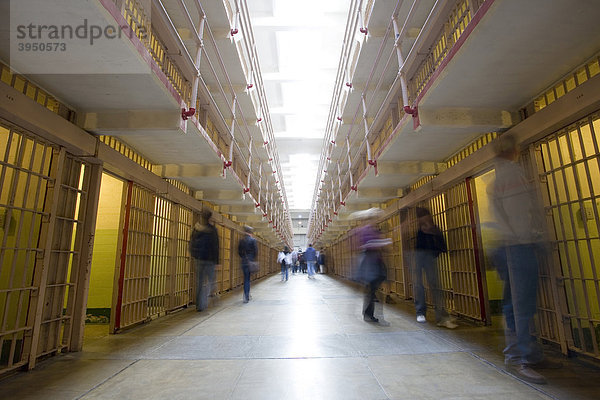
[
  {"x": 107, "y": 379},
  {"x": 503, "y": 371}
]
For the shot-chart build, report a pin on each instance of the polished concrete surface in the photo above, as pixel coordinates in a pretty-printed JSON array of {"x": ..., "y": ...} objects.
[{"x": 301, "y": 339}]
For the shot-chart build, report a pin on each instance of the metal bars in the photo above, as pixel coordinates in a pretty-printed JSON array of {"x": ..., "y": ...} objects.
[
  {"x": 137, "y": 257},
  {"x": 157, "y": 272},
  {"x": 62, "y": 279},
  {"x": 42, "y": 206},
  {"x": 184, "y": 282},
  {"x": 571, "y": 170},
  {"x": 162, "y": 257},
  {"x": 462, "y": 251},
  {"x": 24, "y": 177}
]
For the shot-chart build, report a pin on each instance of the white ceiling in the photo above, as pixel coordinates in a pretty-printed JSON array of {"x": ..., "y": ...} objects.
[{"x": 299, "y": 45}]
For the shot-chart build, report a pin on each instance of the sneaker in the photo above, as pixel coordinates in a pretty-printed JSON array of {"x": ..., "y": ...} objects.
[
  {"x": 522, "y": 371},
  {"x": 447, "y": 323},
  {"x": 421, "y": 318}
]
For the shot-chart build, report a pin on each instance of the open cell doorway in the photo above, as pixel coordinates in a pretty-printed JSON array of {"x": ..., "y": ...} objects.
[
  {"x": 101, "y": 290},
  {"x": 494, "y": 284}
]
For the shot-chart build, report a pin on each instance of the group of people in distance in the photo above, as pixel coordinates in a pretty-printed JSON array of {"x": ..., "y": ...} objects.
[
  {"x": 519, "y": 244},
  {"x": 309, "y": 261}
]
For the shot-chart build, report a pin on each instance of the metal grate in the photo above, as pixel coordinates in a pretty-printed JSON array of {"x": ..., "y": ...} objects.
[
  {"x": 161, "y": 257},
  {"x": 568, "y": 83},
  {"x": 224, "y": 272},
  {"x": 24, "y": 177},
  {"x": 451, "y": 32},
  {"x": 438, "y": 207},
  {"x": 23, "y": 85},
  {"x": 463, "y": 252},
  {"x": 471, "y": 148},
  {"x": 136, "y": 257},
  {"x": 571, "y": 168},
  {"x": 184, "y": 283},
  {"x": 61, "y": 278},
  {"x": 127, "y": 151}
]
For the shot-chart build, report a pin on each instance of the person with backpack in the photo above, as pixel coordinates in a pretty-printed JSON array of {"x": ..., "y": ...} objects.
[
  {"x": 204, "y": 249},
  {"x": 247, "y": 250}
]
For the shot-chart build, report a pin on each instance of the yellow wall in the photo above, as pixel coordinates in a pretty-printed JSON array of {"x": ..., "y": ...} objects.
[
  {"x": 105, "y": 243},
  {"x": 482, "y": 187}
]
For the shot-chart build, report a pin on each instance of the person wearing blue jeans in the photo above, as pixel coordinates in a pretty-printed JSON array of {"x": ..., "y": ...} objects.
[
  {"x": 311, "y": 258},
  {"x": 426, "y": 263},
  {"x": 517, "y": 266},
  {"x": 204, "y": 249},
  {"x": 282, "y": 259},
  {"x": 518, "y": 232},
  {"x": 429, "y": 245},
  {"x": 205, "y": 282}
]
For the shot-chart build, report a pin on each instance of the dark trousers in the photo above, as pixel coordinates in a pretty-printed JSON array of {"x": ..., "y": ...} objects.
[
  {"x": 370, "y": 297},
  {"x": 518, "y": 266},
  {"x": 246, "y": 271}
]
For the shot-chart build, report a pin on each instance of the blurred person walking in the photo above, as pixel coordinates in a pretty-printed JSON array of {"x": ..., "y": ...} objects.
[
  {"x": 371, "y": 268},
  {"x": 322, "y": 262},
  {"x": 430, "y": 244},
  {"x": 204, "y": 249},
  {"x": 247, "y": 251},
  {"x": 310, "y": 255},
  {"x": 520, "y": 240},
  {"x": 294, "y": 261}
]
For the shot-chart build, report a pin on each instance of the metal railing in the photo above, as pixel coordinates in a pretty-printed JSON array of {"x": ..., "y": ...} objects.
[
  {"x": 367, "y": 124},
  {"x": 234, "y": 141}
]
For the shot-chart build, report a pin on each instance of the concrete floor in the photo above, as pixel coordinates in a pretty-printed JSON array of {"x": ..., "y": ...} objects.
[{"x": 301, "y": 339}]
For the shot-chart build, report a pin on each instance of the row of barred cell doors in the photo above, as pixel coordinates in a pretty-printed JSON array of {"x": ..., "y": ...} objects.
[
  {"x": 50, "y": 216},
  {"x": 565, "y": 166},
  {"x": 141, "y": 267}
]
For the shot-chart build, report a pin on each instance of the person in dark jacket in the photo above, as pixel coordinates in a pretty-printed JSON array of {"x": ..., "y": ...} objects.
[
  {"x": 204, "y": 249},
  {"x": 322, "y": 262},
  {"x": 430, "y": 243},
  {"x": 247, "y": 251}
]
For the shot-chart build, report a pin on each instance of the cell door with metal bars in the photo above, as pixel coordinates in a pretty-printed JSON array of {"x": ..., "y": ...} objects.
[
  {"x": 132, "y": 275},
  {"x": 42, "y": 205},
  {"x": 568, "y": 162},
  {"x": 459, "y": 269},
  {"x": 184, "y": 279}
]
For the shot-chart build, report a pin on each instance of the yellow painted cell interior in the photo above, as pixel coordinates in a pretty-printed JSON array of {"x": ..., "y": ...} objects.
[
  {"x": 105, "y": 243},
  {"x": 482, "y": 187}
]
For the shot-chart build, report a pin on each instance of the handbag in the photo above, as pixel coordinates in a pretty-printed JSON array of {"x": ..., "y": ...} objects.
[{"x": 253, "y": 266}]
